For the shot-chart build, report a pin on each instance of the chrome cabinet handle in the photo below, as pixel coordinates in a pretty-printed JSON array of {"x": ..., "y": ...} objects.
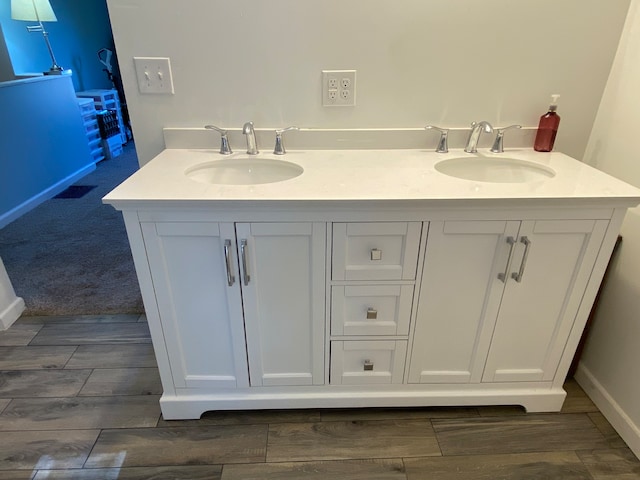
[
  {"x": 227, "y": 258},
  {"x": 368, "y": 365},
  {"x": 243, "y": 253},
  {"x": 518, "y": 276},
  {"x": 372, "y": 313},
  {"x": 503, "y": 276}
]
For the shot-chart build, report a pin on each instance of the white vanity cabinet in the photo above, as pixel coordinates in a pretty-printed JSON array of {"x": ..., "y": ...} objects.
[
  {"x": 218, "y": 283},
  {"x": 499, "y": 298},
  {"x": 443, "y": 308},
  {"x": 370, "y": 280}
]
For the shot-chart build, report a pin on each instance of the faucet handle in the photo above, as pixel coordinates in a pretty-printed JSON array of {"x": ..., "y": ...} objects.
[
  {"x": 279, "y": 148},
  {"x": 498, "y": 146},
  {"x": 225, "y": 149},
  {"x": 443, "y": 146}
]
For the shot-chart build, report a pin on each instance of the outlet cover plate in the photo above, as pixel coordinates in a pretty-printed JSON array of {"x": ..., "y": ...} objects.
[
  {"x": 154, "y": 75},
  {"x": 338, "y": 88}
]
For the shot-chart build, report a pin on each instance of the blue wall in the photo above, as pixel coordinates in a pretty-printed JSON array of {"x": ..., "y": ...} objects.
[
  {"x": 42, "y": 140},
  {"x": 82, "y": 29}
]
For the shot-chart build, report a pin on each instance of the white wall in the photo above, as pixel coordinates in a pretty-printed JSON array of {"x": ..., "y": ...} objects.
[
  {"x": 447, "y": 62},
  {"x": 610, "y": 364}
]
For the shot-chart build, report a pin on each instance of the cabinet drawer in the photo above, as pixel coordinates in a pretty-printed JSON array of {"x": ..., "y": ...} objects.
[
  {"x": 371, "y": 309},
  {"x": 367, "y": 362},
  {"x": 375, "y": 251}
]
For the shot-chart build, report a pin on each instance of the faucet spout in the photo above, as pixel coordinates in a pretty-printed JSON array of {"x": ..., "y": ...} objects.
[
  {"x": 474, "y": 136},
  {"x": 252, "y": 146}
]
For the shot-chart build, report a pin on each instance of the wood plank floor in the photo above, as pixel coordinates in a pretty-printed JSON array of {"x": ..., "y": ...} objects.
[{"x": 79, "y": 401}]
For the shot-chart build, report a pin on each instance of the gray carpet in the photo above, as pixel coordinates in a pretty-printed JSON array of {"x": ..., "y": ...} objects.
[{"x": 71, "y": 255}]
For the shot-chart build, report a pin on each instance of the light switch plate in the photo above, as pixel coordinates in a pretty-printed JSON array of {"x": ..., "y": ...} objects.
[{"x": 154, "y": 75}]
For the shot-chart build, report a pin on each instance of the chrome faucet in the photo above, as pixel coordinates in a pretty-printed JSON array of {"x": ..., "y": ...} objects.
[
  {"x": 252, "y": 146},
  {"x": 476, "y": 130}
]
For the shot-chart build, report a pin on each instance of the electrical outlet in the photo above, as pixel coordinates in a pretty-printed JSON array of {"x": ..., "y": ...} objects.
[
  {"x": 154, "y": 75},
  {"x": 338, "y": 88}
]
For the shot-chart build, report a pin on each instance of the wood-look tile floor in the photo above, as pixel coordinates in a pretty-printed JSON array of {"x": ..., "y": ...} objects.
[{"x": 79, "y": 400}]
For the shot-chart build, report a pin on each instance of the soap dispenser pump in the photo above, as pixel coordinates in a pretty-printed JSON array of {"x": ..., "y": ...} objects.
[{"x": 548, "y": 127}]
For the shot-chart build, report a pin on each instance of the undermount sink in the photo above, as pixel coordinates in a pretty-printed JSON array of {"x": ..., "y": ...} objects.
[
  {"x": 244, "y": 171},
  {"x": 497, "y": 169}
]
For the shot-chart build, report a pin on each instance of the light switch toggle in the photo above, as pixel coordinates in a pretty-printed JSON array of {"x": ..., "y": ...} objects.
[{"x": 376, "y": 254}]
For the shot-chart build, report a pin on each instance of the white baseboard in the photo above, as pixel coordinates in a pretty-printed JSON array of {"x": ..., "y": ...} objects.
[
  {"x": 8, "y": 217},
  {"x": 11, "y": 313},
  {"x": 626, "y": 428}
]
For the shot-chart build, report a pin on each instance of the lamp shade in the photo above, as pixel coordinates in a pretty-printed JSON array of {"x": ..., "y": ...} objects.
[{"x": 32, "y": 10}]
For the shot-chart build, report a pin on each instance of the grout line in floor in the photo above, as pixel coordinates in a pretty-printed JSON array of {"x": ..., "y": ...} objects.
[
  {"x": 95, "y": 442},
  {"x": 85, "y": 382},
  {"x": 435, "y": 435},
  {"x": 5, "y": 407}
]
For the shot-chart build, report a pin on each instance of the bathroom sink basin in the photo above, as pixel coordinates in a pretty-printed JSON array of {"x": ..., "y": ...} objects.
[
  {"x": 244, "y": 171},
  {"x": 496, "y": 169}
]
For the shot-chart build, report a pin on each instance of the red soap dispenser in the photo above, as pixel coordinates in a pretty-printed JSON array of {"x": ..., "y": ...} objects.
[{"x": 548, "y": 128}]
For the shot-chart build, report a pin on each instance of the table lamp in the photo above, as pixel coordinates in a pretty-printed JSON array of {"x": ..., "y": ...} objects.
[{"x": 38, "y": 11}]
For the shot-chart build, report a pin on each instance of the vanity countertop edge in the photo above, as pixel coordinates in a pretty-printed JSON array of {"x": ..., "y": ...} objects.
[{"x": 395, "y": 178}]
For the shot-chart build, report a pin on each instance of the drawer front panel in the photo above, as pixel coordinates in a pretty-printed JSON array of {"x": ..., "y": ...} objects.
[
  {"x": 367, "y": 362},
  {"x": 375, "y": 251},
  {"x": 371, "y": 309}
]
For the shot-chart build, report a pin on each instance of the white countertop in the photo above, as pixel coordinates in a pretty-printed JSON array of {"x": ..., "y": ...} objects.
[{"x": 371, "y": 175}]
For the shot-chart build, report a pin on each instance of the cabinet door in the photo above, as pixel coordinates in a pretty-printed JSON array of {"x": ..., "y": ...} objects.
[
  {"x": 283, "y": 292},
  {"x": 201, "y": 313},
  {"x": 554, "y": 259},
  {"x": 459, "y": 299}
]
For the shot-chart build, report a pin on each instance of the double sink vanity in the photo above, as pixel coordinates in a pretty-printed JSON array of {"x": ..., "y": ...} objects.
[{"x": 352, "y": 278}]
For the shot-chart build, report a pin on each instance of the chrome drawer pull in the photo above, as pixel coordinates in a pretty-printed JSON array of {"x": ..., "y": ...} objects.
[
  {"x": 376, "y": 254},
  {"x": 518, "y": 276},
  {"x": 503, "y": 276},
  {"x": 243, "y": 252},
  {"x": 372, "y": 314},
  {"x": 227, "y": 259},
  {"x": 368, "y": 366}
]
